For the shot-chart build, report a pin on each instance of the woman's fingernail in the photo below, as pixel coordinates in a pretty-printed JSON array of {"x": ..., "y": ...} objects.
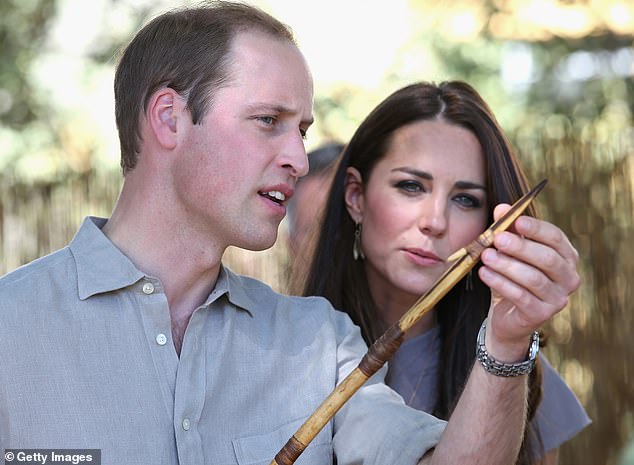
[
  {"x": 503, "y": 240},
  {"x": 523, "y": 223},
  {"x": 489, "y": 255}
]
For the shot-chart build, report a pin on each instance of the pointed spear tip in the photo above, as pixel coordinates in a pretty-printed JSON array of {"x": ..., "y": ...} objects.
[
  {"x": 540, "y": 185},
  {"x": 518, "y": 207},
  {"x": 530, "y": 195}
]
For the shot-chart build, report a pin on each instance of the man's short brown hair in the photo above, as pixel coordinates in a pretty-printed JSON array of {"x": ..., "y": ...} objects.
[{"x": 187, "y": 50}]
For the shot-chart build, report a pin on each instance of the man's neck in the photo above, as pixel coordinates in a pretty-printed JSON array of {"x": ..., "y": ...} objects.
[{"x": 187, "y": 265}]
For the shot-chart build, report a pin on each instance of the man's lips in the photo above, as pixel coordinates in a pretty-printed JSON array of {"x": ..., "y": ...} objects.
[
  {"x": 279, "y": 194},
  {"x": 275, "y": 196}
]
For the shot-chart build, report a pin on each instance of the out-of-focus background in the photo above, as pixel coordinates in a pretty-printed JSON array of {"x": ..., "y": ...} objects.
[{"x": 558, "y": 74}]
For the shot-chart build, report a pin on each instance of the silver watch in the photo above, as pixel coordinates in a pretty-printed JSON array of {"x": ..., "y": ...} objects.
[{"x": 506, "y": 370}]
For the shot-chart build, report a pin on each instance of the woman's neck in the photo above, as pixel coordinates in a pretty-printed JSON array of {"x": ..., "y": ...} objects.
[{"x": 391, "y": 309}]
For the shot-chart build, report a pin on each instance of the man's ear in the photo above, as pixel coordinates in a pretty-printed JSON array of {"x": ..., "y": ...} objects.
[
  {"x": 163, "y": 114},
  {"x": 353, "y": 194}
]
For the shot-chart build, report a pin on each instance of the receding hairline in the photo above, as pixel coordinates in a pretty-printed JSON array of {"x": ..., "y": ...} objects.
[{"x": 230, "y": 78}]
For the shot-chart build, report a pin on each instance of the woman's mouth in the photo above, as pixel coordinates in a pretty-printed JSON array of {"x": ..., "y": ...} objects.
[{"x": 423, "y": 257}]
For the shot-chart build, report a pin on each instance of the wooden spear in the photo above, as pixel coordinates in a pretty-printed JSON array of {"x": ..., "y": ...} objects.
[{"x": 384, "y": 347}]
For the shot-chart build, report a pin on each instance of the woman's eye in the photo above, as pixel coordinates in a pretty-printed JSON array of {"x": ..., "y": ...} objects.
[
  {"x": 468, "y": 201},
  {"x": 409, "y": 186}
]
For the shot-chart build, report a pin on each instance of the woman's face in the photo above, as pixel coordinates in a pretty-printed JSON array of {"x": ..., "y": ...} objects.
[{"x": 423, "y": 201}]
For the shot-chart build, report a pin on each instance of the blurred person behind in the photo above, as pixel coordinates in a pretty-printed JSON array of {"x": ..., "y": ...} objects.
[{"x": 306, "y": 207}]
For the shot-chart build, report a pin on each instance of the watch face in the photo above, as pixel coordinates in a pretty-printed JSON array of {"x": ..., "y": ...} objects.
[{"x": 534, "y": 349}]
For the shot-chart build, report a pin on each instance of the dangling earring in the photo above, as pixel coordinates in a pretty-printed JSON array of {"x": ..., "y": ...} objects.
[
  {"x": 357, "y": 252},
  {"x": 469, "y": 281}
]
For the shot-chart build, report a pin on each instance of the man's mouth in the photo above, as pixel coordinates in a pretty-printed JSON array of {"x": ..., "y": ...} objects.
[{"x": 275, "y": 196}]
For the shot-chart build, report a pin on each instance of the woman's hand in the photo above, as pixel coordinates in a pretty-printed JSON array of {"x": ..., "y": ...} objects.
[{"x": 531, "y": 270}]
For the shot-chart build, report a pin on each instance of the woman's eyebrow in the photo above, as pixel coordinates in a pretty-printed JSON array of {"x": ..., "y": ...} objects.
[
  {"x": 414, "y": 172},
  {"x": 469, "y": 185},
  {"x": 430, "y": 177}
]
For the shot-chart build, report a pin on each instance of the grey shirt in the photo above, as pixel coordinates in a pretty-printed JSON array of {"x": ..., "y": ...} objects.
[
  {"x": 413, "y": 372},
  {"x": 88, "y": 362}
]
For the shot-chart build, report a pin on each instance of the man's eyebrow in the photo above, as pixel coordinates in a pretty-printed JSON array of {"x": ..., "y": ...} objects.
[
  {"x": 430, "y": 177},
  {"x": 279, "y": 109}
]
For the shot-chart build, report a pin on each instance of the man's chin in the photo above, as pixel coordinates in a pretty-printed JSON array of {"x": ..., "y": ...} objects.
[{"x": 259, "y": 245}]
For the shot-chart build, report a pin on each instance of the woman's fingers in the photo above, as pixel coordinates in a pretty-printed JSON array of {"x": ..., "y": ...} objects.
[
  {"x": 523, "y": 285},
  {"x": 531, "y": 270},
  {"x": 535, "y": 249}
]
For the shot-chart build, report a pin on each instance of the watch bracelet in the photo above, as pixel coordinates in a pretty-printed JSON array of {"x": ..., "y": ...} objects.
[{"x": 506, "y": 370}]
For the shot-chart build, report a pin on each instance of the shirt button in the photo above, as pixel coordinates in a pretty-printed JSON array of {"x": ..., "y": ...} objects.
[
  {"x": 161, "y": 339},
  {"x": 148, "y": 288},
  {"x": 186, "y": 424}
]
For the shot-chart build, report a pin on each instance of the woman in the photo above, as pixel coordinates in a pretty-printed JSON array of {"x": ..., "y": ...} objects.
[{"x": 420, "y": 179}]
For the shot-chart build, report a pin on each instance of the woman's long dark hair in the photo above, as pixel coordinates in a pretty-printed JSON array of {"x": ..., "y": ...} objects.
[{"x": 335, "y": 275}]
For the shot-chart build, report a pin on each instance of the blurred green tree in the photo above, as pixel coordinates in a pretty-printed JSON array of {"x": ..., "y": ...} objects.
[{"x": 23, "y": 30}]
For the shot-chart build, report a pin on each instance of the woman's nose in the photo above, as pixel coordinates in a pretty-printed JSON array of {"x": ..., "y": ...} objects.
[{"x": 433, "y": 218}]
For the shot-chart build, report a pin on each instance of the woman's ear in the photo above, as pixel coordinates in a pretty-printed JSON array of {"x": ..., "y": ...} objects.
[
  {"x": 353, "y": 194},
  {"x": 163, "y": 112}
]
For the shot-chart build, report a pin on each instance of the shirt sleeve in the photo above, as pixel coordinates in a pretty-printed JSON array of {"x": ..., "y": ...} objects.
[
  {"x": 375, "y": 426},
  {"x": 560, "y": 415}
]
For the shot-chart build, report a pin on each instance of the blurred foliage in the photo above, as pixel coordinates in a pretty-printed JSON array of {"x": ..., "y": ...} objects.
[
  {"x": 43, "y": 137},
  {"x": 23, "y": 30},
  {"x": 558, "y": 74}
]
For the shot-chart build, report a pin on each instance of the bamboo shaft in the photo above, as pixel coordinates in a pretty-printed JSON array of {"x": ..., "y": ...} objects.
[
  {"x": 384, "y": 347},
  {"x": 429, "y": 300},
  {"x": 322, "y": 415}
]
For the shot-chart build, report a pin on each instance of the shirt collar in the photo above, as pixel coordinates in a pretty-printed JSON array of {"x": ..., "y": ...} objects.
[
  {"x": 101, "y": 266},
  {"x": 236, "y": 287}
]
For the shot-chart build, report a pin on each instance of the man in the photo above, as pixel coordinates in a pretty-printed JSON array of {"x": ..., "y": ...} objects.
[{"x": 135, "y": 340}]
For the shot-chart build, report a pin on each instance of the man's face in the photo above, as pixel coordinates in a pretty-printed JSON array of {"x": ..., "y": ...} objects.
[{"x": 239, "y": 167}]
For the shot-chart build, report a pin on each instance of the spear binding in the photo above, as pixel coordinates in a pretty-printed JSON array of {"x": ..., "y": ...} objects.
[{"x": 386, "y": 345}]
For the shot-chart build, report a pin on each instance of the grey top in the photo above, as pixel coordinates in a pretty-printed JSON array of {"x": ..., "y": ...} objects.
[
  {"x": 88, "y": 362},
  {"x": 413, "y": 373}
]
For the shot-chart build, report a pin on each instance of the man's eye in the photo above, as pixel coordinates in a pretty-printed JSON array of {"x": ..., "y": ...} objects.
[{"x": 267, "y": 120}]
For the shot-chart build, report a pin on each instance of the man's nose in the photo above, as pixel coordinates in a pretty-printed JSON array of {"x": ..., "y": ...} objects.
[{"x": 294, "y": 155}]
